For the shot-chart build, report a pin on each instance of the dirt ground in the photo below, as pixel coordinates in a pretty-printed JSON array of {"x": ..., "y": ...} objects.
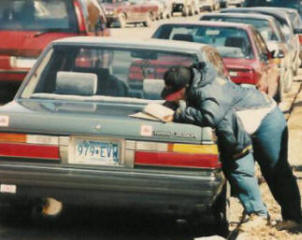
[{"x": 267, "y": 232}]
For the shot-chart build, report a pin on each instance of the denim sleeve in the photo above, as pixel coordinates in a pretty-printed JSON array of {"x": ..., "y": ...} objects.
[
  {"x": 206, "y": 112},
  {"x": 202, "y": 117}
]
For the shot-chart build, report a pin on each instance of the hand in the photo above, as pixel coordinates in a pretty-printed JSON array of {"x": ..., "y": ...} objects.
[{"x": 168, "y": 118}]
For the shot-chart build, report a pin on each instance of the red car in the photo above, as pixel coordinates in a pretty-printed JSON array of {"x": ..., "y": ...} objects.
[
  {"x": 133, "y": 11},
  {"x": 151, "y": 71},
  {"x": 241, "y": 46},
  {"x": 27, "y": 26}
]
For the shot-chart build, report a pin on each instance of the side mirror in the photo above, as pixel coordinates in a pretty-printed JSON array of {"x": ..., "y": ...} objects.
[{"x": 298, "y": 31}]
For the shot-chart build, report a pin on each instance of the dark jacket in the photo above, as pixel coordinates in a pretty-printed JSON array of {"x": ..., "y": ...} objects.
[{"x": 212, "y": 101}]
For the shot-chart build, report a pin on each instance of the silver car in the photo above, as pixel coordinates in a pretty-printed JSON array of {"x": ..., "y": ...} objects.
[{"x": 68, "y": 135}]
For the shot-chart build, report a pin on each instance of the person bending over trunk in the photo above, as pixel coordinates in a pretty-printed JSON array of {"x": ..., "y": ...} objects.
[{"x": 241, "y": 117}]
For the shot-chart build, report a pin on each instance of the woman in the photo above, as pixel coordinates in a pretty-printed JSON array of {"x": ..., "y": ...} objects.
[{"x": 234, "y": 111}]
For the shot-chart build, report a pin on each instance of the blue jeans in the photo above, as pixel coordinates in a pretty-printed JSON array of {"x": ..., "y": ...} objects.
[
  {"x": 270, "y": 144},
  {"x": 244, "y": 184}
]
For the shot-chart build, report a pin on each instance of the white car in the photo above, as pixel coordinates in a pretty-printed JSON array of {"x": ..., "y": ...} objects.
[
  {"x": 237, "y": 3},
  {"x": 272, "y": 34},
  {"x": 210, "y": 5}
]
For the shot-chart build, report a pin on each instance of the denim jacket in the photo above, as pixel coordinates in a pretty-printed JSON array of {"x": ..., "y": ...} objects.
[{"x": 212, "y": 101}]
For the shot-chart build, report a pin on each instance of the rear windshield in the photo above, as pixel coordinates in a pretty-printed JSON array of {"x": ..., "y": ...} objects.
[
  {"x": 110, "y": 73},
  {"x": 37, "y": 15},
  {"x": 230, "y": 42},
  {"x": 262, "y": 25}
]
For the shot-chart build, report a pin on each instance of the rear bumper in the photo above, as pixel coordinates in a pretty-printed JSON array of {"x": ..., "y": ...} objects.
[{"x": 157, "y": 191}]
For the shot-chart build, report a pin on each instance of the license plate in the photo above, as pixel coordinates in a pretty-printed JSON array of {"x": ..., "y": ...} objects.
[{"x": 97, "y": 152}]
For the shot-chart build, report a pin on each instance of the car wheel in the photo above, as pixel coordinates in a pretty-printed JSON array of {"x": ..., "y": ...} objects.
[
  {"x": 122, "y": 20},
  {"x": 148, "y": 21}
]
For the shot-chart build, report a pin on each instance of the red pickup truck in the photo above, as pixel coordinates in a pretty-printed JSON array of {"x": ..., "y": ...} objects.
[{"x": 123, "y": 12}]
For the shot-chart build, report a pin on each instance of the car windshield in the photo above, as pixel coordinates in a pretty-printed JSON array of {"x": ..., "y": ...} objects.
[
  {"x": 91, "y": 73},
  {"x": 231, "y": 42},
  {"x": 275, "y": 3},
  {"x": 37, "y": 15},
  {"x": 262, "y": 25}
]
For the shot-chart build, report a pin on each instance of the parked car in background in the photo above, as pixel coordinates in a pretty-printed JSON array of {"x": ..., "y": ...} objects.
[
  {"x": 27, "y": 26},
  {"x": 287, "y": 28},
  {"x": 236, "y": 3},
  {"x": 271, "y": 32},
  {"x": 160, "y": 8},
  {"x": 185, "y": 7},
  {"x": 297, "y": 23},
  {"x": 223, "y": 3},
  {"x": 155, "y": 69},
  {"x": 209, "y": 5},
  {"x": 124, "y": 12},
  {"x": 294, "y": 4},
  {"x": 90, "y": 151},
  {"x": 166, "y": 9},
  {"x": 241, "y": 46}
]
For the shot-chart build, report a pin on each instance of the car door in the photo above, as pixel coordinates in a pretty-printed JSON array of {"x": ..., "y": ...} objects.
[{"x": 268, "y": 66}]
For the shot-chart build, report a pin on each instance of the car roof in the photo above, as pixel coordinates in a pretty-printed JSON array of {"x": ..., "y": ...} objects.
[
  {"x": 211, "y": 23},
  {"x": 270, "y": 10},
  {"x": 290, "y": 10},
  {"x": 244, "y": 15},
  {"x": 149, "y": 43}
]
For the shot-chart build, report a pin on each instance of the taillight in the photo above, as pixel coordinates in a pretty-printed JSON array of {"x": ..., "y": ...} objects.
[
  {"x": 80, "y": 17},
  {"x": 243, "y": 76},
  {"x": 177, "y": 155},
  {"x": 300, "y": 38},
  {"x": 29, "y": 146}
]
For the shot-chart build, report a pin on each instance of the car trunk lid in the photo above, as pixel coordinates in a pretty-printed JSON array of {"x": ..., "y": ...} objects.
[
  {"x": 80, "y": 134},
  {"x": 27, "y": 43}
]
